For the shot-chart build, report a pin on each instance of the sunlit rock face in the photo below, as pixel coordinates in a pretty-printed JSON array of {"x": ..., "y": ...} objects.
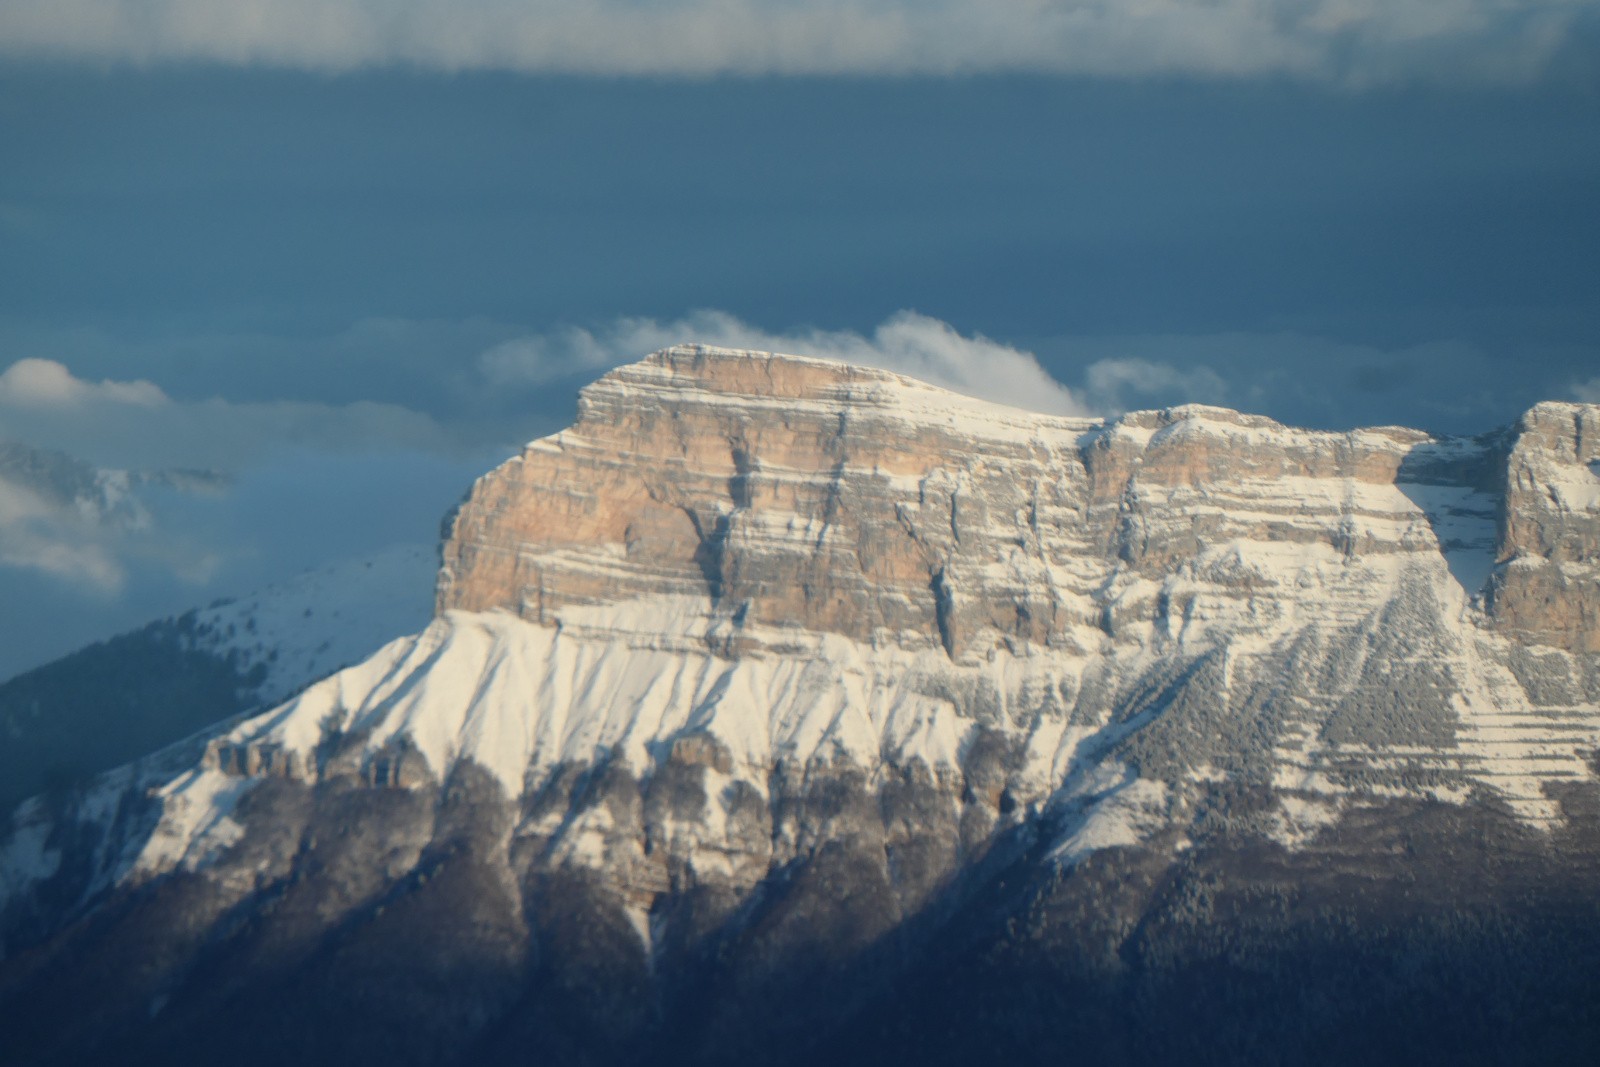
[
  {"x": 1302, "y": 607},
  {"x": 1548, "y": 591},
  {"x": 828, "y": 498},
  {"x": 774, "y": 682}
]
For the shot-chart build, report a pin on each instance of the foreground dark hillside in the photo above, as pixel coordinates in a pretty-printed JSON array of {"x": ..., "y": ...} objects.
[{"x": 1416, "y": 932}]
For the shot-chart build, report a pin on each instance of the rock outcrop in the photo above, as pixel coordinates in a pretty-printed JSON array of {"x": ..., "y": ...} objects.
[
  {"x": 829, "y": 498},
  {"x": 1548, "y": 589}
]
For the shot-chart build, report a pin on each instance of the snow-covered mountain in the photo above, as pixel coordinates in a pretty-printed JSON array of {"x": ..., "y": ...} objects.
[
  {"x": 789, "y": 709},
  {"x": 131, "y": 694}
]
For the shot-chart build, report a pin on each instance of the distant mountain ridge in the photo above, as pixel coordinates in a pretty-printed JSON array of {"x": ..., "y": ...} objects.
[
  {"x": 782, "y": 709},
  {"x": 99, "y": 493},
  {"x": 118, "y": 699}
]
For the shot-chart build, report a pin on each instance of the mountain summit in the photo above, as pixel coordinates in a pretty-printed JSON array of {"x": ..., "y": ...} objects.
[{"x": 782, "y": 708}]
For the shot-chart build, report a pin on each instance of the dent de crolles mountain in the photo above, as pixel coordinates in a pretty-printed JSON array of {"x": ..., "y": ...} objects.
[{"x": 781, "y": 709}]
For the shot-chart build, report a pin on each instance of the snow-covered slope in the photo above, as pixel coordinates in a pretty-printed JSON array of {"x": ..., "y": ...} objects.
[
  {"x": 302, "y": 629},
  {"x": 121, "y": 698}
]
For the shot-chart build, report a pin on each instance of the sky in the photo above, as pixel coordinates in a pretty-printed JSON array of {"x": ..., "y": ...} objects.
[{"x": 345, "y": 255}]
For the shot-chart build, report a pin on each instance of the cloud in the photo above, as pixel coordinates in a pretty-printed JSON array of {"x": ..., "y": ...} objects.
[
  {"x": 907, "y": 343},
  {"x": 1350, "y": 41},
  {"x": 135, "y": 424},
  {"x": 1587, "y": 392},
  {"x": 57, "y": 530},
  {"x": 1444, "y": 385},
  {"x": 44, "y": 383},
  {"x": 101, "y": 504},
  {"x": 1122, "y": 384},
  {"x": 91, "y": 551}
]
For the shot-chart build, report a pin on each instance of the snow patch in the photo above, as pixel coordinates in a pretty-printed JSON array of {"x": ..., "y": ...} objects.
[
  {"x": 1300, "y": 818},
  {"x": 196, "y": 824},
  {"x": 315, "y": 623},
  {"x": 25, "y": 856},
  {"x": 1125, "y": 816}
]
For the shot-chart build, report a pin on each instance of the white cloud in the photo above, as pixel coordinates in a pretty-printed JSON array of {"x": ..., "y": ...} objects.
[
  {"x": 135, "y": 424},
  {"x": 64, "y": 538},
  {"x": 907, "y": 343},
  {"x": 44, "y": 383},
  {"x": 1587, "y": 392},
  {"x": 1332, "y": 40}
]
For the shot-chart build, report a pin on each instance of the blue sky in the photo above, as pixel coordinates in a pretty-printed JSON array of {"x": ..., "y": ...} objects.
[{"x": 313, "y": 245}]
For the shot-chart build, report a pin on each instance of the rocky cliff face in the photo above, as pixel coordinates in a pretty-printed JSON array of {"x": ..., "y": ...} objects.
[
  {"x": 770, "y": 501},
  {"x": 1548, "y": 590},
  {"x": 774, "y": 682},
  {"x": 824, "y": 498}
]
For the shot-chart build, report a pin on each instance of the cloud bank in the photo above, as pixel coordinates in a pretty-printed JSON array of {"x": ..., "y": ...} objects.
[
  {"x": 44, "y": 383},
  {"x": 1347, "y": 41},
  {"x": 135, "y": 424}
]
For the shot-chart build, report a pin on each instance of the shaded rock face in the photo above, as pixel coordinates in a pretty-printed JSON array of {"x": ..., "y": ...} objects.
[{"x": 781, "y": 710}]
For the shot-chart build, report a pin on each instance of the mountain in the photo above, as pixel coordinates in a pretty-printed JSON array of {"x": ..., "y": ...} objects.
[
  {"x": 118, "y": 699},
  {"x": 36, "y": 482},
  {"x": 785, "y": 710},
  {"x": 68, "y": 526}
]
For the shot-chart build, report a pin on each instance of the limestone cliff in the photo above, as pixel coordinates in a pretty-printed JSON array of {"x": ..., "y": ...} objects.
[
  {"x": 828, "y": 498},
  {"x": 1548, "y": 589}
]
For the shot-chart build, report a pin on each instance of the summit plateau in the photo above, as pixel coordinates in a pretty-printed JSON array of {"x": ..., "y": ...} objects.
[{"x": 783, "y": 709}]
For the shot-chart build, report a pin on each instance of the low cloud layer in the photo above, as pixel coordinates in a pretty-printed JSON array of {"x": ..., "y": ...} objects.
[
  {"x": 135, "y": 424},
  {"x": 1346, "y": 41},
  {"x": 55, "y": 538}
]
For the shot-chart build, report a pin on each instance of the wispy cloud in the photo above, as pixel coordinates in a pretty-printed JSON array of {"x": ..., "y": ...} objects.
[
  {"x": 1121, "y": 384},
  {"x": 1351, "y": 41},
  {"x": 136, "y": 424},
  {"x": 39, "y": 534},
  {"x": 1587, "y": 392},
  {"x": 908, "y": 343},
  {"x": 66, "y": 519}
]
